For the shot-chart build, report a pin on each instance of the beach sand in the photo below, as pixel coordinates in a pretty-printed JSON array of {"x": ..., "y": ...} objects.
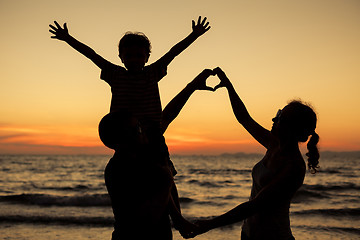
[{"x": 66, "y": 232}]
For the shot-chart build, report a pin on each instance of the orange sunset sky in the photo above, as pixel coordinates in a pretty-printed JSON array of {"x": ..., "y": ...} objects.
[{"x": 51, "y": 97}]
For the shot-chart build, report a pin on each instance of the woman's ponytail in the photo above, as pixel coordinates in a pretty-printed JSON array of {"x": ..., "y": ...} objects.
[{"x": 313, "y": 152}]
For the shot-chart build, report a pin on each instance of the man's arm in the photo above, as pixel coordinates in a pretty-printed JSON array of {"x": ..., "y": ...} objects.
[
  {"x": 173, "y": 108},
  {"x": 198, "y": 29},
  {"x": 63, "y": 35}
]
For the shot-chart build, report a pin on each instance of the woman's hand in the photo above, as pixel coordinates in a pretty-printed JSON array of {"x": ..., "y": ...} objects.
[{"x": 224, "y": 80}]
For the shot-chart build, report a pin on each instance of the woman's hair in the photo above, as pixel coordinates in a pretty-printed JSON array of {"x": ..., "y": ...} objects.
[
  {"x": 135, "y": 39},
  {"x": 313, "y": 153},
  {"x": 304, "y": 121}
]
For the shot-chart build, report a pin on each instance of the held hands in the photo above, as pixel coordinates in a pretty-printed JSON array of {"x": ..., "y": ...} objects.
[
  {"x": 187, "y": 229},
  {"x": 59, "y": 32},
  {"x": 200, "y": 227},
  {"x": 201, "y": 27}
]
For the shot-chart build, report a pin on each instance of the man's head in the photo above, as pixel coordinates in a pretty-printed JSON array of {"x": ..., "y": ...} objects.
[{"x": 120, "y": 130}]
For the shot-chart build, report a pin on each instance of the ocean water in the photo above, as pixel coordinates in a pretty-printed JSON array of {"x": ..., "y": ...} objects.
[{"x": 64, "y": 197}]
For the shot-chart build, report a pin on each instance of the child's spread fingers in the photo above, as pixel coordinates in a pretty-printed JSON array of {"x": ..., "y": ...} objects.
[
  {"x": 51, "y": 26},
  {"x": 203, "y": 21},
  {"x": 57, "y": 25}
]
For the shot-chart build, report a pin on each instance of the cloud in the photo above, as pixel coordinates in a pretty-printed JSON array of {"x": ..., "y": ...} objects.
[
  {"x": 41, "y": 139},
  {"x": 25, "y": 148},
  {"x": 6, "y": 138}
]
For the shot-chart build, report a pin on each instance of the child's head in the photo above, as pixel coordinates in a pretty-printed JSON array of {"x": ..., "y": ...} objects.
[{"x": 134, "y": 50}]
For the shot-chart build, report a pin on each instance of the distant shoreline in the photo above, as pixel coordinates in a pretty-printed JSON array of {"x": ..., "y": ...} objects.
[{"x": 239, "y": 154}]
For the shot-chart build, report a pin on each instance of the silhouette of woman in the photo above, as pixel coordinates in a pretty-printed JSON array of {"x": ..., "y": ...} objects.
[{"x": 277, "y": 176}]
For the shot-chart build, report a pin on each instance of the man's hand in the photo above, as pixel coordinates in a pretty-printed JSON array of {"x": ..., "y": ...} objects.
[
  {"x": 201, "y": 27},
  {"x": 199, "y": 82},
  {"x": 59, "y": 32}
]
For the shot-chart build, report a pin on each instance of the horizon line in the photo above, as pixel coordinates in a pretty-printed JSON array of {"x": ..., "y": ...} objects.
[{"x": 175, "y": 154}]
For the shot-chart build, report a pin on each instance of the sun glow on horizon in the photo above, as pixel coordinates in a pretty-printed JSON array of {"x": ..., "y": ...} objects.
[
  {"x": 37, "y": 140},
  {"x": 51, "y": 97}
]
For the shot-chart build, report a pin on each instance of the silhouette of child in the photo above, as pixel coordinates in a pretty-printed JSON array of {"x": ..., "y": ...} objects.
[{"x": 134, "y": 87}]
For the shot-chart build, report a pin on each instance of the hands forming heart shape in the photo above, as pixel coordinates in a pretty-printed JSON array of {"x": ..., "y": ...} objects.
[{"x": 199, "y": 81}]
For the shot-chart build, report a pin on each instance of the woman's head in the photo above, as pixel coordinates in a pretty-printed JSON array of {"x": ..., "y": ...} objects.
[{"x": 296, "y": 122}]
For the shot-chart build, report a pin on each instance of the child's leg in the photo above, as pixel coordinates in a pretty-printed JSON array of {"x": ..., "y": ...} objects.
[{"x": 175, "y": 197}]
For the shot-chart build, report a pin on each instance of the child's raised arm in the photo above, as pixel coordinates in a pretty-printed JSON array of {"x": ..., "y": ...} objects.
[
  {"x": 63, "y": 35},
  {"x": 198, "y": 29}
]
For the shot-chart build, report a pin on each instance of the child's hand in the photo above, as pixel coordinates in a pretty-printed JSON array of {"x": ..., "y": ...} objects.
[
  {"x": 199, "y": 82},
  {"x": 201, "y": 27},
  {"x": 60, "y": 33},
  {"x": 224, "y": 80}
]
